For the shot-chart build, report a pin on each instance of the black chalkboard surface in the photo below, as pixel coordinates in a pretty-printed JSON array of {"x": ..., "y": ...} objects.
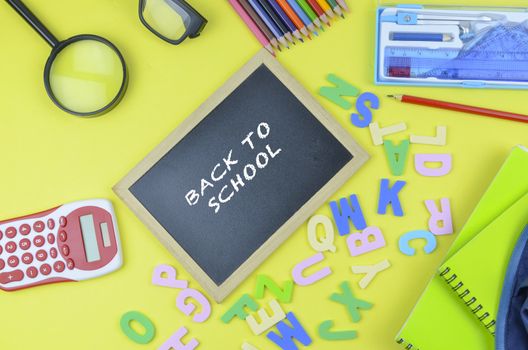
[{"x": 224, "y": 190}]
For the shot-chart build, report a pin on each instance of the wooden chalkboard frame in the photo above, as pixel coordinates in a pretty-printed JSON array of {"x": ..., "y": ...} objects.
[{"x": 219, "y": 292}]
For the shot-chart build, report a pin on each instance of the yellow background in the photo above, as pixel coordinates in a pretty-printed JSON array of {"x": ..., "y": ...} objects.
[{"x": 49, "y": 158}]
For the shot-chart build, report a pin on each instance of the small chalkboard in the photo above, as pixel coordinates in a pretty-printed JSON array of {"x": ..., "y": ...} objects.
[{"x": 239, "y": 175}]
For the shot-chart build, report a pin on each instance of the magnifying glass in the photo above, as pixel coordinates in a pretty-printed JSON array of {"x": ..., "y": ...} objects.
[{"x": 85, "y": 75}]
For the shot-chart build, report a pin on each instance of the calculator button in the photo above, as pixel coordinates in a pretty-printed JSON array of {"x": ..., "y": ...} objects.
[
  {"x": 51, "y": 224},
  {"x": 62, "y": 221},
  {"x": 24, "y": 244},
  {"x": 53, "y": 253},
  {"x": 70, "y": 264},
  {"x": 1, "y": 249},
  {"x": 59, "y": 266},
  {"x": 11, "y": 232},
  {"x": 45, "y": 269},
  {"x": 25, "y": 229},
  {"x": 63, "y": 236},
  {"x": 65, "y": 250},
  {"x": 1, "y": 234},
  {"x": 13, "y": 261},
  {"x": 2, "y": 264},
  {"x": 12, "y": 276},
  {"x": 32, "y": 272},
  {"x": 39, "y": 241},
  {"x": 27, "y": 258},
  {"x": 38, "y": 226},
  {"x": 10, "y": 247},
  {"x": 41, "y": 255},
  {"x": 51, "y": 238}
]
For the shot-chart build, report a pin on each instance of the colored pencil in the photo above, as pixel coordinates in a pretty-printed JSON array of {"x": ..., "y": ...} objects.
[
  {"x": 343, "y": 5},
  {"x": 335, "y": 6},
  {"x": 320, "y": 13},
  {"x": 310, "y": 13},
  {"x": 252, "y": 26},
  {"x": 285, "y": 19},
  {"x": 302, "y": 15},
  {"x": 275, "y": 18},
  {"x": 269, "y": 22},
  {"x": 326, "y": 8},
  {"x": 294, "y": 17},
  {"x": 258, "y": 21},
  {"x": 461, "y": 108}
]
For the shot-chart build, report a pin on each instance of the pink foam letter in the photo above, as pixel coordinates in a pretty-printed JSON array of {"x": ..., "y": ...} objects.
[
  {"x": 421, "y": 159},
  {"x": 298, "y": 270},
  {"x": 170, "y": 280},
  {"x": 440, "y": 216},
  {"x": 175, "y": 343},
  {"x": 188, "y": 308}
]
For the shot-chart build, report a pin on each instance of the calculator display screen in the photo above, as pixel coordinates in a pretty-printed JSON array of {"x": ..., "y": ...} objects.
[{"x": 89, "y": 238}]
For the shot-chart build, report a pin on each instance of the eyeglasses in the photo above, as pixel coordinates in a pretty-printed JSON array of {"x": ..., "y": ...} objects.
[{"x": 171, "y": 20}]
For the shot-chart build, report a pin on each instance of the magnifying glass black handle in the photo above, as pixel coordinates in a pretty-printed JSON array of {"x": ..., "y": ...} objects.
[{"x": 33, "y": 22}]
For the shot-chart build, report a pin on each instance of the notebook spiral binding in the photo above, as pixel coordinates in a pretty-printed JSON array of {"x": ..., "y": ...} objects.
[
  {"x": 470, "y": 301},
  {"x": 406, "y": 345}
]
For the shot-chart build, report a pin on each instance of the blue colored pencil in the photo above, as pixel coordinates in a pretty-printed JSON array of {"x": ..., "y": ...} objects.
[
  {"x": 285, "y": 19},
  {"x": 303, "y": 16},
  {"x": 269, "y": 10},
  {"x": 269, "y": 22}
]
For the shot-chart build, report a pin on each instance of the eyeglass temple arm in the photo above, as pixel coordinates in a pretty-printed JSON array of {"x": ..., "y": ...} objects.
[{"x": 33, "y": 21}]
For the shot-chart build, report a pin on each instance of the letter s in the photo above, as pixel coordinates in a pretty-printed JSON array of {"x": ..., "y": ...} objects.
[
  {"x": 214, "y": 204},
  {"x": 364, "y": 118}
]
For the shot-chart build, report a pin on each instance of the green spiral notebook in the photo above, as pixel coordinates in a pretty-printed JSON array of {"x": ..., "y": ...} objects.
[{"x": 443, "y": 318}]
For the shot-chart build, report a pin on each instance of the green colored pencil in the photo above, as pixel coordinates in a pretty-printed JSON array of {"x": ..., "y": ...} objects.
[
  {"x": 310, "y": 13},
  {"x": 335, "y": 6}
]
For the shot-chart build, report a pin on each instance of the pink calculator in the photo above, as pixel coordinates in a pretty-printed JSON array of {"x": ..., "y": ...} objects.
[{"x": 73, "y": 242}]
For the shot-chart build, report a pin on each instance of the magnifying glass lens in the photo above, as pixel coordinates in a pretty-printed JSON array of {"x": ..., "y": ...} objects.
[
  {"x": 86, "y": 76},
  {"x": 166, "y": 17}
]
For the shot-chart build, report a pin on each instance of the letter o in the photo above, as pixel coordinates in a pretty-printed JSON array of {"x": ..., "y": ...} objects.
[{"x": 144, "y": 321}]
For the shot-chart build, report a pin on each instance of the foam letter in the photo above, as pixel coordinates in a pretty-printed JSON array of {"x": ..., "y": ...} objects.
[
  {"x": 378, "y": 133},
  {"x": 442, "y": 216},
  {"x": 327, "y": 243},
  {"x": 335, "y": 93},
  {"x": 370, "y": 272},
  {"x": 363, "y": 118},
  {"x": 389, "y": 195},
  {"x": 397, "y": 156},
  {"x": 284, "y": 295},
  {"x": 266, "y": 321},
  {"x": 170, "y": 280},
  {"x": 359, "y": 243},
  {"x": 189, "y": 308},
  {"x": 352, "y": 304},
  {"x": 421, "y": 159},
  {"x": 175, "y": 343},
  {"x": 238, "y": 309},
  {"x": 247, "y": 346},
  {"x": 438, "y": 140},
  {"x": 326, "y": 334},
  {"x": 144, "y": 321},
  {"x": 406, "y": 249},
  {"x": 287, "y": 334},
  {"x": 298, "y": 270},
  {"x": 350, "y": 211}
]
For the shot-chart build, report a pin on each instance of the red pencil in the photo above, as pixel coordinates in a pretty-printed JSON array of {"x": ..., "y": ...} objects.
[
  {"x": 320, "y": 13},
  {"x": 461, "y": 108}
]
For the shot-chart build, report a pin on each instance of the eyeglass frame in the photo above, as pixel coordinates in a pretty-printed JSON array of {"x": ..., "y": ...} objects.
[{"x": 194, "y": 29}]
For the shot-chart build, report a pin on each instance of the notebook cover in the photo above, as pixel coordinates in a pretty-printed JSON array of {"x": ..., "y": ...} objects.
[
  {"x": 437, "y": 321},
  {"x": 476, "y": 272}
]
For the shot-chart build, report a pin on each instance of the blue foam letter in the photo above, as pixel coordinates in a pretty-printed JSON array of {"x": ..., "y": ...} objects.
[
  {"x": 289, "y": 333},
  {"x": 430, "y": 244},
  {"x": 350, "y": 211},
  {"x": 389, "y": 195},
  {"x": 363, "y": 118}
]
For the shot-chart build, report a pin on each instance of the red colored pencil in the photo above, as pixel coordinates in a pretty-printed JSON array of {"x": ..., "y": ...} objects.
[
  {"x": 461, "y": 108},
  {"x": 320, "y": 13}
]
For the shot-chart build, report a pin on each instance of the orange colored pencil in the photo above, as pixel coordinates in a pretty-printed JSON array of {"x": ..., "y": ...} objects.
[{"x": 294, "y": 17}]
